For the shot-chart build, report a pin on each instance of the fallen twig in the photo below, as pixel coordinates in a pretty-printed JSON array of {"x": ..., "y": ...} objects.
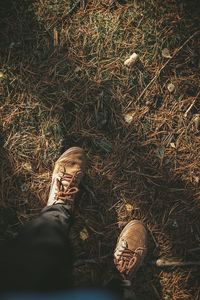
[
  {"x": 55, "y": 37},
  {"x": 170, "y": 263},
  {"x": 191, "y": 106}
]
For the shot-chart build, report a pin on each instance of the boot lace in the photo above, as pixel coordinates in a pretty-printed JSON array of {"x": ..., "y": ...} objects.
[
  {"x": 66, "y": 186},
  {"x": 125, "y": 258}
]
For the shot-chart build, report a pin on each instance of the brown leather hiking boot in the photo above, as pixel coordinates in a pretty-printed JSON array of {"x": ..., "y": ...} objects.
[
  {"x": 131, "y": 249},
  {"x": 68, "y": 172}
]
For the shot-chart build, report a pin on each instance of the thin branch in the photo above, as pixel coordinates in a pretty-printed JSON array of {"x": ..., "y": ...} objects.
[
  {"x": 191, "y": 106},
  {"x": 170, "y": 263}
]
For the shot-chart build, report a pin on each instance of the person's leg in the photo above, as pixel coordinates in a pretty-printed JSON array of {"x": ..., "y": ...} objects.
[{"x": 40, "y": 258}]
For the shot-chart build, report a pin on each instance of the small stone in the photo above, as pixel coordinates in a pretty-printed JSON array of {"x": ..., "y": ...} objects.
[
  {"x": 24, "y": 187},
  {"x": 12, "y": 45},
  {"x": 1, "y": 75},
  {"x": 175, "y": 224},
  {"x": 148, "y": 102},
  {"x": 171, "y": 87},
  {"x": 77, "y": 69}
]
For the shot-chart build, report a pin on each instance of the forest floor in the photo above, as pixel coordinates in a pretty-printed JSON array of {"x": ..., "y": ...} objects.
[{"x": 64, "y": 83}]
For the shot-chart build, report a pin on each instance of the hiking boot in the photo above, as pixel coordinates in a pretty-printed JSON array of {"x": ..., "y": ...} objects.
[
  {"x": 131, "y": 249},
  {"x": 68, "y": 172}
]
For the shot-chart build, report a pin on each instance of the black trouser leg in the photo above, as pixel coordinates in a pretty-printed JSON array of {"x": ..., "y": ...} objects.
[{"x": 40, "y": 258}]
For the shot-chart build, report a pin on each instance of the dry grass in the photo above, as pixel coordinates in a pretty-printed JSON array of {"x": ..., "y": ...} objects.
[{"x": 63, "y": 83}]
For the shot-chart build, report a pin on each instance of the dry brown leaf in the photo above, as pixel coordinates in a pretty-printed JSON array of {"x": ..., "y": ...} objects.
[
  {"x": 129, "y": 117},
  {"x": 27, "y": 166},
  {"x": 196, "y": 120},
  {"x": 173, "y": 145},
  {"x": 129, "y": 207},
  {"x": 84, "y": 235},
  {"x": 196, "y": 179},
  {"x": 166, "y": 53}
]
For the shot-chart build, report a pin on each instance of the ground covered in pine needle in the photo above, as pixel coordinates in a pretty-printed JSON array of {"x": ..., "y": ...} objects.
[{"x": 64, "y": 83}]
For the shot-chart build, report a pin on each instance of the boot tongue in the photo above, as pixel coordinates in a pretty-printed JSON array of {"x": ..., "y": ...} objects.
[
  {"x": 65, "y": 181},
  {"x": 65, "y": 184},
  {"x": 66, "y": 188}
]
